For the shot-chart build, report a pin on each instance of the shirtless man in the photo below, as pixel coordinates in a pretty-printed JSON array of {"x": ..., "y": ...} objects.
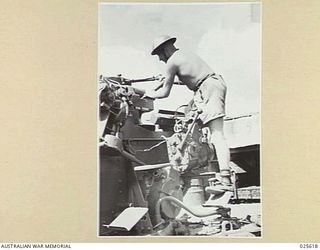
[{"x": 209, "y": 96}]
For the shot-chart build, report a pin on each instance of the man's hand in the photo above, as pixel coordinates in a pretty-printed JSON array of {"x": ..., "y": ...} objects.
[
  {"x": 160, "y": 78},
  {"x": 149, "y": 94}
]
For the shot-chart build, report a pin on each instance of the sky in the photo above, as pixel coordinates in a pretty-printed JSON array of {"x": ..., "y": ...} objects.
[{"x": 227, "y": 36}]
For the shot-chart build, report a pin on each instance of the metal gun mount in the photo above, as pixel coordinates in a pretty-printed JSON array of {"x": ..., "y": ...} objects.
[{"x": 118, "y": 100}]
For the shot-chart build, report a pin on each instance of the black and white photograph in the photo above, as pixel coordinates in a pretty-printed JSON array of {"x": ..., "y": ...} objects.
[{"x": 179, "y": 106}]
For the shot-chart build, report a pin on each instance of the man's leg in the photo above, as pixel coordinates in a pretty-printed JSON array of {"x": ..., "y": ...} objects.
[{"x": 222, "y": 150}]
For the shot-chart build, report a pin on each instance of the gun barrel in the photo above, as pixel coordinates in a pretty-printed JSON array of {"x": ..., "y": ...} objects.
[{"x": 149, "y": 79}]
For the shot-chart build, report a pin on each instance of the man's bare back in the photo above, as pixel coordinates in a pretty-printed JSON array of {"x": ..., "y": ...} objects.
[{"x": 189, "y": 68}]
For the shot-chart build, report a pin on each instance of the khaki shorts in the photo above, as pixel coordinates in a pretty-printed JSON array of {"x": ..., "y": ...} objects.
[{"x": 210, "y": 98}]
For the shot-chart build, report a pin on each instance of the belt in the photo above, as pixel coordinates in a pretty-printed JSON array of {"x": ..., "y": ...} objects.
[{"x": 202, "y": 80}]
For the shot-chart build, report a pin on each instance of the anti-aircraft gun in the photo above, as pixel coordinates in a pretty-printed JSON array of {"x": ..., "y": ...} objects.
[{"x": 147, "y": 174}]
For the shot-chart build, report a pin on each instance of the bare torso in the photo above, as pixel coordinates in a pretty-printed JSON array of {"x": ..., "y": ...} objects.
[{"x": 189, "y": 67}]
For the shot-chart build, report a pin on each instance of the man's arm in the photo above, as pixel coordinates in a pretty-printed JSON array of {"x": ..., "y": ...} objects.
[
  {"x": 167, "y": 85},
  {"x": 159, "y": 85}
]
